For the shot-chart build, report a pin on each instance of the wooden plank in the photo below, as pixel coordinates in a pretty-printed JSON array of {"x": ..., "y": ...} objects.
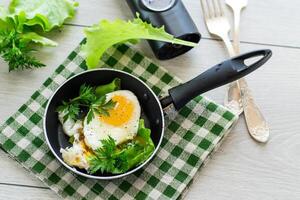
[
  {"x": 242, "y": 169},
  {"x": 13, "y": 173},
  {"x": 241, "y": 164},
  {"x": 25, "y": 193},
  {"x": 266, "y": 22},
  {"x": 16, "y": 87}
]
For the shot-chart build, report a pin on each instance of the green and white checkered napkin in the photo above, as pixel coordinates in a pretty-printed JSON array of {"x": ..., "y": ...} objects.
[{"x": 190, "y": 137}]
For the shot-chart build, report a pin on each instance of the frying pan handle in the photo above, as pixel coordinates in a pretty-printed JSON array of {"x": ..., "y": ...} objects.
[{"x": 221, "y": 74}]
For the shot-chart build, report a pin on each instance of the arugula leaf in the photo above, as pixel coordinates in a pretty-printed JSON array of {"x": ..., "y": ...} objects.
[
  {"x": 106, "y": 34},
  {"x": 47, "y": 14}
]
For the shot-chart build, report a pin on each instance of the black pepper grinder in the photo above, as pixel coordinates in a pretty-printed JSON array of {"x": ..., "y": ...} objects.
[{"x": 171, "y": 14}]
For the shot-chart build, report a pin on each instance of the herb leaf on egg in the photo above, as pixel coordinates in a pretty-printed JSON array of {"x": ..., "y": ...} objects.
[
  {"x": 87, "y": 94},
  {"x": 100, "y": 107},
  {"x": 87, "y": 98},
  {"x": 70, "y": 109}
]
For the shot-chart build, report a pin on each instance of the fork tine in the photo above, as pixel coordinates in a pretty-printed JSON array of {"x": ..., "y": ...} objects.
[
  {"x": 216, "y": 8},
  {"x": 205, "y": 9},
  {"x": 210, "y": 10},
  {"x": 221, "y": 8}
]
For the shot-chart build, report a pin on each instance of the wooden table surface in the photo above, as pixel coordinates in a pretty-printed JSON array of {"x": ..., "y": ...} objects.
[{"x": 242, "y": 168}]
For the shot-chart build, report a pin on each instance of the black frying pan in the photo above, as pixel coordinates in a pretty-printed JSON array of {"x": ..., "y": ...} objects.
[{"x": 152, "y": 107}]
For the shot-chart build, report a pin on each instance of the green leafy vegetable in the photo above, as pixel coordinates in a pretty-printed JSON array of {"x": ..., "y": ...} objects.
[
  {"x": 36, "y": 38},
  {"x": 19, "y": 24},
  {"x": 119, "y": 159},
  {"x": 72, "y": 139},
  {"x": 45, "y": 13},
  {"x": 100, "y": 107},
  {"x": 15, "y": 52},
  {"x": 87, "y": 98},
  {"x": 3, "y": 15},
  {"x": 106, "y": 34},
  {"x": 103, "y": 159},
  {"x": 104, "y": 89},
  {"x": 69, "y": 109}
]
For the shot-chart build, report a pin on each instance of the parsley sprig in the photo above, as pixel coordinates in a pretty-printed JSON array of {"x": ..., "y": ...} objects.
[
  {"x": 116, "y": 159},
  {"x": 87, "y": 98},
  {"x": 107, "y": 158},
  {"x": 16, "y": 53},
  {"x": 100, "y": 107}
]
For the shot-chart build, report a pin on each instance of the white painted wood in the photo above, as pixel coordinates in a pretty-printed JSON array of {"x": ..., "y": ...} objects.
[
  {"x": 241, "y": 169},
  {"x": 267, "y": 22},
  {"x": 27, "y": 193},
  {"x": 17, "y": 87}
]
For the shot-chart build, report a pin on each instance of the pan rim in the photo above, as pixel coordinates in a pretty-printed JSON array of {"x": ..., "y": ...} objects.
[{"x": 73, "y": 169}]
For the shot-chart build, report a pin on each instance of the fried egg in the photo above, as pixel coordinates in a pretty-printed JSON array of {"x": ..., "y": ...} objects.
[
  {"x": 76, "y": 155},
  {"x": 121, "y": 124},
  {"x": 70, "y": 126}
]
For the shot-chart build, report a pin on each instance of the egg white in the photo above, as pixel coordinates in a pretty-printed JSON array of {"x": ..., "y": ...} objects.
[
  {"x": 75, "y": 156},
  {"x": 70, "y": 126},
  {"x": 97, "y": 130}
]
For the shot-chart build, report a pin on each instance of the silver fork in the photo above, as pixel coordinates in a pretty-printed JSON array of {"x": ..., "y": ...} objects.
[
  {"x": 216, "y": 22},
  {"x": 218, "y": 25}
]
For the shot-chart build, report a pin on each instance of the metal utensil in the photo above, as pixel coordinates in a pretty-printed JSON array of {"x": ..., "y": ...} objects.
[
  {"x": 218, "y": 25},
  {"x": 256, "y": 123},
  {"x": 216, "y": 22},
  {"x": 236, "y": 6}
]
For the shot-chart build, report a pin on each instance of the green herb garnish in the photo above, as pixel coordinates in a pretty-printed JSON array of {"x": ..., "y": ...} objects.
[
  {"x": 100, "y": 107},
  {"x": 119, "y": 159},
  {"x": 87, "y": 98},
  {"x": 16, "y": 52},
  {"x": 72, "y": 139},
  {"x": 104, "y": 158},
  {"x": 21, "y": 25}
]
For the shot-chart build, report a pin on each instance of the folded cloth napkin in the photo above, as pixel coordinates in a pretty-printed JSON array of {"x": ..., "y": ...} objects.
[{"x": 191, "y": 135}]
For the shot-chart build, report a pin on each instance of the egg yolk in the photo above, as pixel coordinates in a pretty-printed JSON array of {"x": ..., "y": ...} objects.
[{"x": 121, "y": 113}]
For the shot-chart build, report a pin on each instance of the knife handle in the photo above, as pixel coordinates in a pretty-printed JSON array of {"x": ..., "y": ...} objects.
[{"x": 256, "y": 123}]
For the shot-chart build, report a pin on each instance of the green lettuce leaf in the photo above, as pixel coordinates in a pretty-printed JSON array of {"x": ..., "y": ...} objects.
[
  {"x": 106, "y": 34},
  {"x": 45, "y": 13},
  {"x": 105, "y": 89},
  {"x": 4, "y": 21},
  {"x": 3, "y": 13},
  {"x": 36, "y": 38}
]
